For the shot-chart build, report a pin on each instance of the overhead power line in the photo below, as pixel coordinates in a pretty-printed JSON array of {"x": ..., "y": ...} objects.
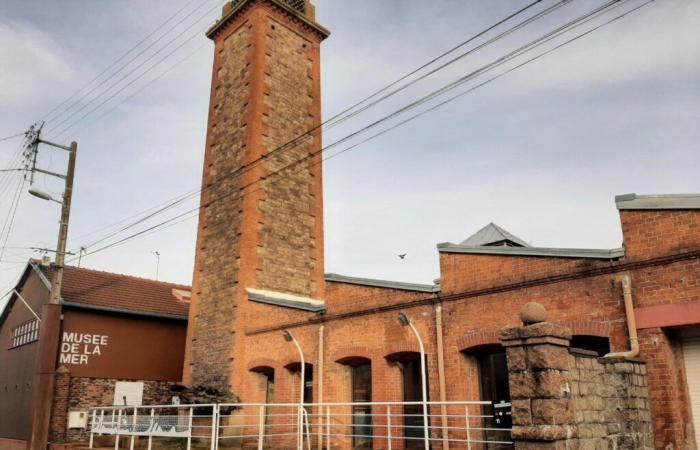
[
  {"x": 7, "y": 138},
  {"x": 59, "y": 108},
  {"x": 300, "y": 138},
  {"x": 182, "y": 216},
  {"x": 129, "y": 73}
]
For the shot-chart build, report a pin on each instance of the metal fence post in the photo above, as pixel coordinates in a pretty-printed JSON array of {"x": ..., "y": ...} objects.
[
  {"x": 328, "y": 427},
  {"x": 189, "y": 429},
  {"x": 308, "y": 432},
  {"x": 151, "y": 427},
  {"x": 133, "y": 429},
  {"x": 214, "y": 426},
  {"x": 92, "y": 427},
  {"x": 388, "y": 425},
  {"x": 466, "y": 418},
  {"x": 261, "y": 427},
  {"x": 119, "y": 422},
  {"x": 218, "y": 424}
]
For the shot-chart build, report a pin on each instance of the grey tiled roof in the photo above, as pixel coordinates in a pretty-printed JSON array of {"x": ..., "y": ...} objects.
[{"x": 490, "y": 235}]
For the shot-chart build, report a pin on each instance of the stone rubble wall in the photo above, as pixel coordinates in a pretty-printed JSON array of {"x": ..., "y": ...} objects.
[
  {"x": 564, "y": 398},
  {"x": 610, "y": 402}
]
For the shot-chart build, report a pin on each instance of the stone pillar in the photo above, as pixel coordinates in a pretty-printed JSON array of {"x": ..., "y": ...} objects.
[{"x": 539, "y": 377}]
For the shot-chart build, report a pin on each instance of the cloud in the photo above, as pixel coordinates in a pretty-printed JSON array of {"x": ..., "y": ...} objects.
[{"x": 37, "y": 64}]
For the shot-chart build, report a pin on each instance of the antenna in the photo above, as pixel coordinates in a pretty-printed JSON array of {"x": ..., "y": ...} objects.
[{"x": 157, "y": 255}]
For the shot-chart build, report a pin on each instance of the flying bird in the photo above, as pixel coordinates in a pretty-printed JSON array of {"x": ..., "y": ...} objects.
[{"x": 402, "y": 256}]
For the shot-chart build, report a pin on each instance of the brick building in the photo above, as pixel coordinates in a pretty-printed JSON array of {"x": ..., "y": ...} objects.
[
  {"x": 120, "y": 336},
  {"x": 259, "y": 263}
]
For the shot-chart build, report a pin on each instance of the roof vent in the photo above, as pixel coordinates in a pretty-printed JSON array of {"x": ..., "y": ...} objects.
[{"x": 45, "y": 261}]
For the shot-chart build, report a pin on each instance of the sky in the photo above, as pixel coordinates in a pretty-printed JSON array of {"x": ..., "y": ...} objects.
[{"x": 541, "y": 151}]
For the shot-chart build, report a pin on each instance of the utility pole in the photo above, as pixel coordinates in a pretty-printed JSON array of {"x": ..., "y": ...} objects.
[{"x": 50, "y": 329}]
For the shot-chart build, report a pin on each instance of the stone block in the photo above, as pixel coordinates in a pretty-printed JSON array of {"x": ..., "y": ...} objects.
[
  {"x": 535, "y": 445},
  {"x": 521, "y": 412},
  {"x": 543, "y": 432},
  {"x": 516, "y": 358},
  {"x": 545, "y": 329},
  {"x": 551, "y": 384},
  {"x": 547, "y": 356},
  {"x": 551, "y": 412},
  {"x": 522, "y": 385}
]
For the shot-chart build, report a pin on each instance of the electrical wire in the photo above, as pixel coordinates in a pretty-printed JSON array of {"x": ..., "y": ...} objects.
[
  {"x": 11, "y": 218},
  {"x": 131, "y": 72},
  {"x": 7, "y": 138},
  {"x": 114, "y": 63},
  {"x": 569, "y": 41},
  {"x": 298, "y": 139},
  {"x": 414, "y": 104}
]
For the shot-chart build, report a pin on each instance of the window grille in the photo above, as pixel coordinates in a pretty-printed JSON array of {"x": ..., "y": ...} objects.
[{"x": 25, "y": 333}]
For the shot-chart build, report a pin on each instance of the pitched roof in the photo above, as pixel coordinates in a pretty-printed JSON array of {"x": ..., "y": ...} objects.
[
  {"x": 121, "y": 293},
  {"x": 492, "y": 234}
]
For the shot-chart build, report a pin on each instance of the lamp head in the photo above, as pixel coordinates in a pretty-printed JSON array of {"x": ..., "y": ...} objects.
[
  {"x": 287, "y": 335},
  {"x": 40, "y": 194},
  {"x": 403, "y": 319}
]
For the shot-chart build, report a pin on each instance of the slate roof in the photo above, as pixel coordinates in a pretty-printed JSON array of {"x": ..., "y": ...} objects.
[
  {"x": 492, "y": 234},
  {"x": 121, "y": 293}
]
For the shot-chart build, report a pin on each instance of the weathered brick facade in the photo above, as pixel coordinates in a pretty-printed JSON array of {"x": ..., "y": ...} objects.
[
  {"x": 80, "y": 394},
  {"x": 261, "y": 227}
]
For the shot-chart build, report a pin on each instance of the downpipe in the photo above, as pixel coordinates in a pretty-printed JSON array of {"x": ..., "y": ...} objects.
[{"x": 631, "y": 321}]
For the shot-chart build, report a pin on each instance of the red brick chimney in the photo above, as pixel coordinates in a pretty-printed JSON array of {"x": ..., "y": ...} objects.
[{"x": 256, "y": 234}]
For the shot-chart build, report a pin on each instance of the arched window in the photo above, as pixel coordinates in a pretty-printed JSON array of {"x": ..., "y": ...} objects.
[
  {"x": 360, "y": 392},
  {"x": 295, "y": 369},
  {"x": 409, "y": 362},
  {"x": 492, "y": 367}
]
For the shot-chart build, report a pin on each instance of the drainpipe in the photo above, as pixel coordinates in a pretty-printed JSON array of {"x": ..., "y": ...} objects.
[
  {"x": 320, "y": 386},
  {"x": 631, "y": 322},
  {"x": 441, "y": 375}
]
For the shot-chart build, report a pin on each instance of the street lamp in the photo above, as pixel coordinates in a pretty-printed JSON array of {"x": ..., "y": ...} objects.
[
  {"x": 289, "y": 337},
  {"x": 38, "y": 193},
  {"x": 405, "y": 321}
]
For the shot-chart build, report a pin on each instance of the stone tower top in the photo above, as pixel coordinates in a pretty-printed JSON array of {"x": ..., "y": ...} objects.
[{"x": 301, "y": 10}]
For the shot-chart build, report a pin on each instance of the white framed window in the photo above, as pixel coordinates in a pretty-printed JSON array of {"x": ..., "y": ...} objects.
[{"x": 25, "y": 333}]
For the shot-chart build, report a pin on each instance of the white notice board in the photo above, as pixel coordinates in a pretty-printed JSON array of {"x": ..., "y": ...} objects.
[{"x": 132, "y": 391}]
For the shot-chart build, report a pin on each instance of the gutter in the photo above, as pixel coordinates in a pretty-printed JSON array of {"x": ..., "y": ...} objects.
[{"x": 631, "y": 321}]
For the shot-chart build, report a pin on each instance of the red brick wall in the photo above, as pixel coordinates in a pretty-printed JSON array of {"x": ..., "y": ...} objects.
[
  {"x": 84, "y": 393},
  {"x": 585, "y": 295},
  {"x": 659, "y": 232},
  {"x": 268, "y": 232}
]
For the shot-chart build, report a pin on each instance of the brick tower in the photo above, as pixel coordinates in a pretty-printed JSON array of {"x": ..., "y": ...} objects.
[{"x": 260, "y": 226}]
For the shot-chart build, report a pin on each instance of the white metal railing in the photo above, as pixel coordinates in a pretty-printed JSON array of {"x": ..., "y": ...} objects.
[{"x": 468, "y": 425}]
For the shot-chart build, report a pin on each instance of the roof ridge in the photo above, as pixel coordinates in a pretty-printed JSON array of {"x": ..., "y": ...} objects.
[{"x": 134, "y": 277}]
